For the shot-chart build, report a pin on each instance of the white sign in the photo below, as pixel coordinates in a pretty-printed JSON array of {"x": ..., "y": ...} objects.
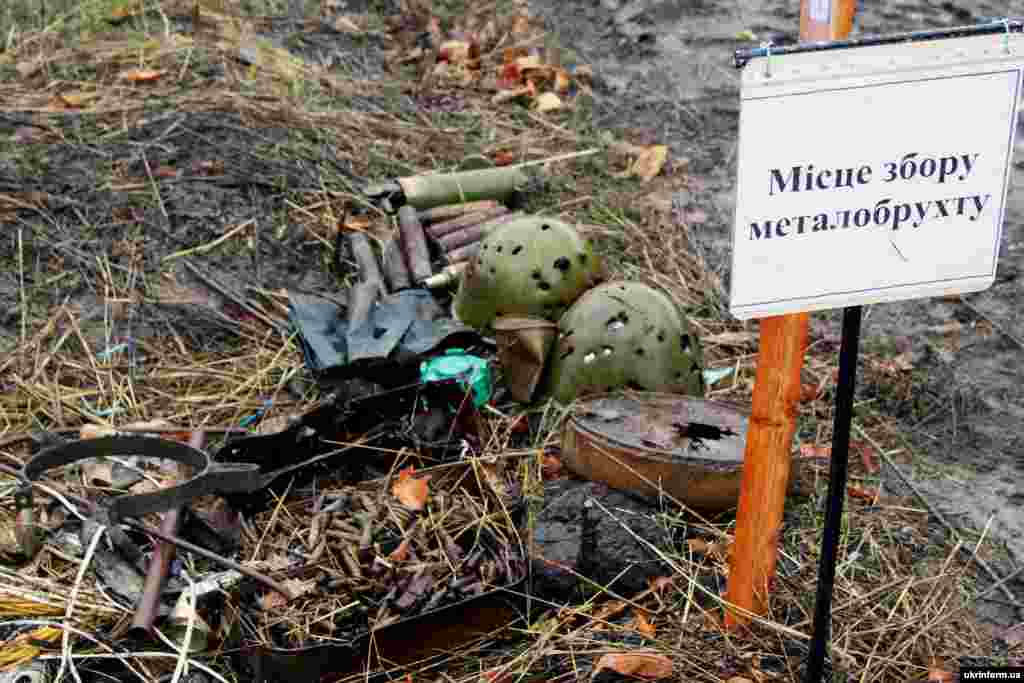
[{"x": 873, "y": 174}]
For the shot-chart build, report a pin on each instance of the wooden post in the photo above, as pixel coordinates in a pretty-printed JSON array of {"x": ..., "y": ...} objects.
[{"x": 775, "y": 403}]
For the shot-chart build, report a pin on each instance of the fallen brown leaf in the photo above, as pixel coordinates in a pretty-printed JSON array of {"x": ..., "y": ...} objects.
[
  {"x": 642, "y": 625},
  {"x": 867, "y": 457},
  {"x": 940, "y": 676},
  {"x": 810, "y": 451},
  {"x": 142, "y": 75},
  {"x": 648, "y": 666},
  {"x": 520, "y": 25},
  {"x": 345, "y": 24},
  {"x": 546, "y": 102},
  {"x": 863, "y": 494},
  {"x": 411, "y": 491},
  {"x": 551, "y": 466},
  {"x": 650, "y": 162},
  {"x": 401, "y": 553},
  {"x": 503, "y": 158}
]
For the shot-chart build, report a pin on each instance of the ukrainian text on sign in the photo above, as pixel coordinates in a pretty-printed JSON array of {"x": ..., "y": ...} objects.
[{"x": 905, "y": 201}]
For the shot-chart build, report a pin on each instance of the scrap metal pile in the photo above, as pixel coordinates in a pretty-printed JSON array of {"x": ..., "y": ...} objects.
[{"x": 387, "y": 504}]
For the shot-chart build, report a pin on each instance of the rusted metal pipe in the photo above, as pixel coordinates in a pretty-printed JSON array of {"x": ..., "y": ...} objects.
[
  {"x": 439, "y": 230},
  {"x": 447, "y": 212},
  {"x": 160, "y": 564},
  {"x": 414, "y": 244}
]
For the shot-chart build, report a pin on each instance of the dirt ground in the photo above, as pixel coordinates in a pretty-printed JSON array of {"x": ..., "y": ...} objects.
[{"x": 665, "y": 67}]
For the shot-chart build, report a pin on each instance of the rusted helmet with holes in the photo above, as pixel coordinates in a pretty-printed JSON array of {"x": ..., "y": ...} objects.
[
  {"x": 531, "y": 266},
  {"x": 625, "y": 335}
]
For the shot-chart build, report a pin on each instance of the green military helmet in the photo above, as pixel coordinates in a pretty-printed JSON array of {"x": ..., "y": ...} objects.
[
  {"x": 531, "y": 266},
  {"x": 625, "y": 335}
]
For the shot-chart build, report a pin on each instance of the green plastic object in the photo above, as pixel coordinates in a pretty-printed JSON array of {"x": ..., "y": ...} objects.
[
  {"x": 625, "y": 335},
  {"x": 529, "y": 267},
  {"x": 471, "y": 371}
]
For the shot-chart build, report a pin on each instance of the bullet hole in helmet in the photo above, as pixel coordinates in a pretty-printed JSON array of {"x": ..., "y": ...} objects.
[
  {"x": 684, "y": 342},
  {"x": 563, "y": 264},
  {"x": 498, "y": 249},
  {"x": 661, "y": 335},
  {"x": 518, "y": 249},
  {"x": 640, "y": 352},
  {"x": 535, "y": 275},
  {"x": 545, "y": 226},
  {"x": 543, "y": 285}
]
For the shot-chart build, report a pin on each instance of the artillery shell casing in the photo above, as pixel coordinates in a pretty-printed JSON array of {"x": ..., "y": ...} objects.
[
  {"x": 463, "y": 253},
  {"x": 449, "y": 211},
  {"x": 396, "y": 274},
  {"x": 461, "y": 238},
  {"x": 439, "y": 189},
  {"x": 439, "y": 230},
  {"x": 446, "y": 277},
  {"x": 364, "y": 256},
  {"x": 414, "y": 244}
]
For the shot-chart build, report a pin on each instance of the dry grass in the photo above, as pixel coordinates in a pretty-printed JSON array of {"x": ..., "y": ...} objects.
[{"x": 902, "y": 602}]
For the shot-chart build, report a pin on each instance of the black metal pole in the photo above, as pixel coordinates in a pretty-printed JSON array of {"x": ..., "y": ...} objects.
[{"x": 836, "y": 491}]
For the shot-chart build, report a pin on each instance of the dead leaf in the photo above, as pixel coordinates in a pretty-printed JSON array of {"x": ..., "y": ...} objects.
[
  {"x": 520, "y": 25},
  {"x": 401, "y": 553},
  {"x": 124, "y": 11},
  {"x": 810, "y": 451},
  {"x": 698, "y": 545},
  {"x": 546, "y": 102},
  {"x": 29, "y": 69},
  {"x": 454, "y": 51},
  {"x": 503, "y": 158},
  {"x": 551, "y": 467},
  {"x": 142, "y": 75},
  {"x": 273, "y": 425},
  {"x": 642, "y": 625},
  {"x": 562, "y": 81},
  {"x": 867, "y": 457},
  {"x": 411, "y": 491},
  {"x": 345, "y": 24},
  {"x": 862, "y": 493},
  {"x": 648, "y": 666},
  {"x": 73, "y": 100},
  {"x": 650, "y": 162},
  {"x": 940, "y": 676}
]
